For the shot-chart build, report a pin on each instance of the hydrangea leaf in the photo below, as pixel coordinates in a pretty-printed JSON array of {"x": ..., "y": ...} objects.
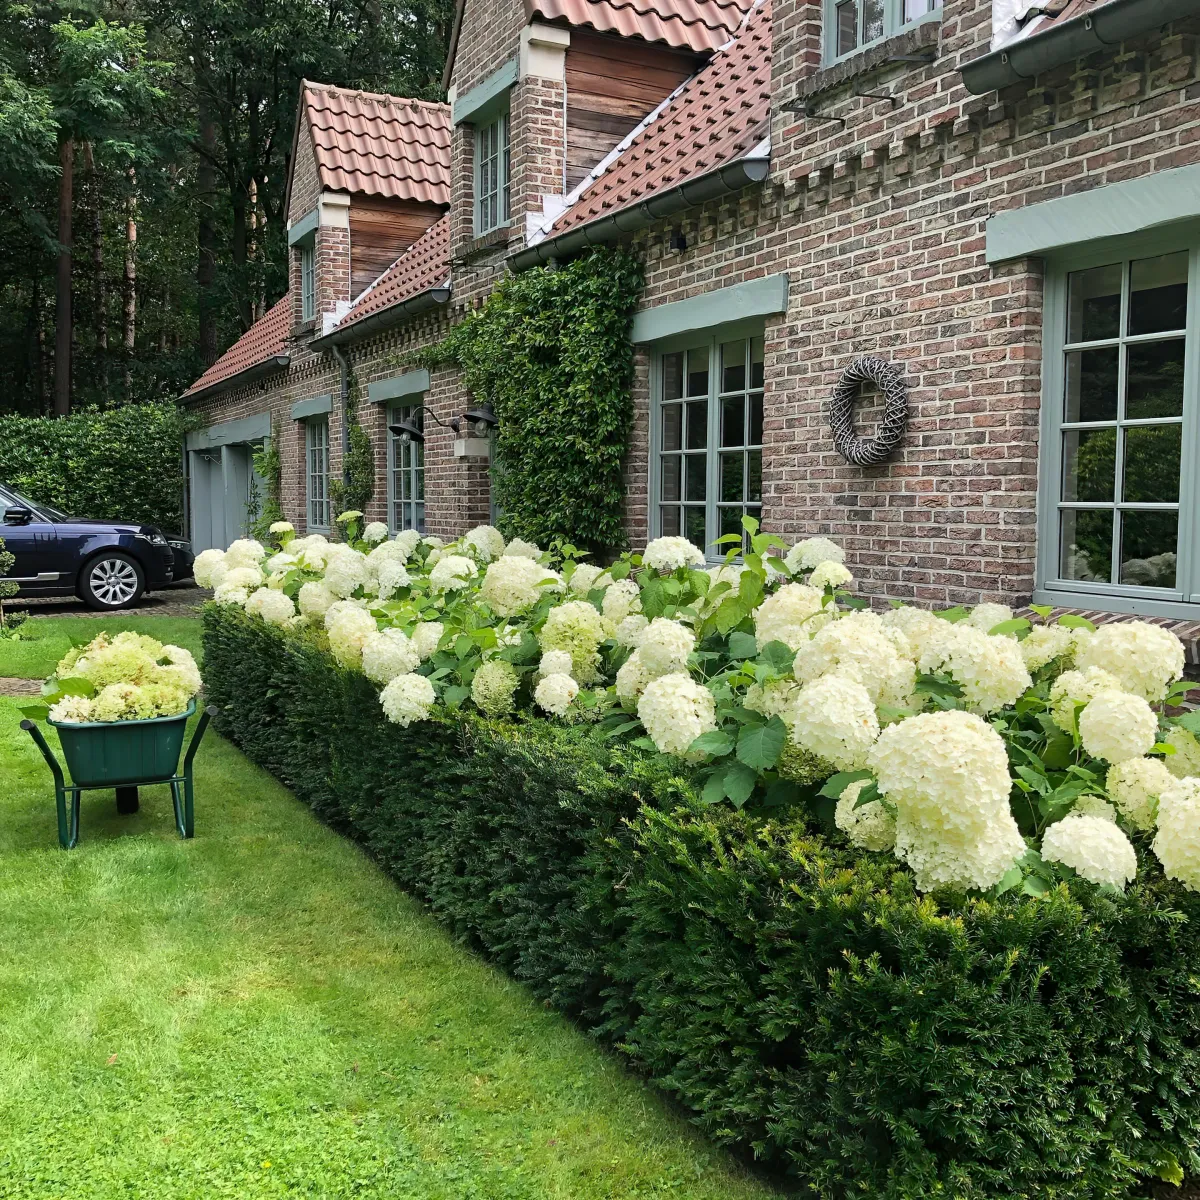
[
  {"x": 715, "y": 743},
  {"x": 835, "y": 785},
  {"x": 759, "y": 746},
  {"x": 742, "y": 645},
  {"x": 778, "y": 656},
  {"x": 714, "y": 788},
  {"x": 1073, "y": 622},
  {"x": 739, "y": 783},
  {"x": 1016, "y": 625}
]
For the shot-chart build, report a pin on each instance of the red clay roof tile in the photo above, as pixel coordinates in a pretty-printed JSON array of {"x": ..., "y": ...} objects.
[
  {"x": 265, "y": 339},
  {"x": 699, "y": 25},
  {"x": 379, "y": 145}
]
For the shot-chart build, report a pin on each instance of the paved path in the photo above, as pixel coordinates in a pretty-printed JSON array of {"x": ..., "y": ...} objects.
[
  {"x": 181, "y": 601},
  {"x": 19, "y": 687}
]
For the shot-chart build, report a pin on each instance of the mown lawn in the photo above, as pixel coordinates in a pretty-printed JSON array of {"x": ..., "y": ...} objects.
[
  {"x": 46, "y": 639},
  {"x": 260, "y": 1013}
]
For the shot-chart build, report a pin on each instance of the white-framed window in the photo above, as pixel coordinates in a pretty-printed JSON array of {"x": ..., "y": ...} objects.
[
  {"x": 491, "y": 175},
  {"x": 1118, "y": 491},
  {"x": 316, "y": 440},
  {"x": 706, "y": 436},
  {"x": 308, "y": 281},
  {"x": 406, "y": 473},
  {"x": 853, "y": 25}
]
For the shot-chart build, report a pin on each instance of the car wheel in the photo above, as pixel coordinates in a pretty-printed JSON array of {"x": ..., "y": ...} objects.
[{"x": 111, "y": 580}]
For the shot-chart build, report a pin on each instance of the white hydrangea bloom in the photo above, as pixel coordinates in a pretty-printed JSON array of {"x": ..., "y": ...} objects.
[
  {"x": 730, "y": 573},
  {"x": 311, "y": 552},
  {"x": 632, "y": 678},
  {"x": 209, "y": 568},
  {"x": 1092, "y": 846},
  {"x": 1145, "y": 658},
  {"x": 177, "y": 668},
  {"x": 375, "y": 532},
  {"x": 520, "y": 548},
  {"x": 1116, "y": 726},
  {"x": 245, "y": 552},
  {"x": 834, "y": 718},
  {"x": 274, "y": 607},
  {"x": 387, "y": 653},
  {"x": 671, "y": 554},
  {"x": 555, "y": 662},
  {"x": 990, "y": 670},
  {"x": 588, "y": 577},
  {"x": 859, "y": 647},
  {"x": 870, "y": 827},
  {"x": 555, "y": 693},
  {"x": 451, "y": 572},
  {"x": 629, "y": 631},
  {"x": 1045, "y": 643},
  {"x": 771, "y": 699},
  {"x": 675, "y": 711},
  {"x": 1186, "y": 759},
  {"x": 1135, "y": 786},
  {"x": 792, "y": 615},
  {"x": 1095, "y": 806},
  {"x": 351, "y": 514},
  {"x": 277, "y": 564},
  {"x": 485, "y": 541},
  {"x": 281, "y": 527},
  {"x": 345, "y": 570},
  {"x": 985, "y": 617},
  {"x": 918, "y": 625},
  {"x": 1077, "y": 687},
  {"x": 812, "y": 552},
  {"x": 830, "y": 575},
  {"x": 248, "y": 578},
  {"x": 77, "y": 710},
  {"x": 348, "y": 627},
  {"x": 577, "y": 628},
  {"x": 938, "y": 858},
  {"x": 229, "y": 593},
  {"x": 392, "y": 576},
  {"x": 425, "y": 637},
  {"x": 620, "y": 600},
  {"x": 514, "y": 583},
  {"x": 315, "y": 598},
  {"x": 664, "y": 646},
  {"x": 492, "y": 687},
  {"x": 406, "y": 699},
  {"x": 1177, "y": 842}
]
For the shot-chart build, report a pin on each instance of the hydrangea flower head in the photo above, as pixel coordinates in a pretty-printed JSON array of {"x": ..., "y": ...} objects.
[
  {"x": 1115, "y": 726},
  {"x": 792, "y": 615},
  {"x": 985, "y": 617},
  {"x": 452, "y": 572},
  {"x": 676, "y": 710},
  {"x": 1144, "y": 658},
  {"x": 513, "y": 583},
  {"x": 588, "y": 577},
  {"x": 425, "y": 637},
  {"x": 74, "y": 710},
  {"x": 990, "y": 670},
  {"x": 492, "y": 687},
  {"x": 811, "y": 553},
  {"x": 830, "y": 575},
  {"x": 555, "y": 662},
  {"x": 348, "y": 627},
  {"x": 834, "y": 718},
  {"x": 1045, "y": 643},
  {"x": 555, "y": 693},
  {"x": 1135, "y": 786},
  {"x": 672, "y": 554},
  {"x": 375, "y": 532},
  {"x": 315, "y": 598},
  {"x": 209, "y": 568},
  {"x": 621, "y": 599},
  {"x": 273, "y": 606},
  {"x": 520, "y": 548},
  {"x": 245, "y": 552},
  {"x": 1177, "y": 842},
  {"x": 577, "y": 628},
  {"x": 860, "y": 647},
  {"x": 387, "y": 653},
  {"x": 664, "y": 646},
  {"x": 1077, "y": 687},
  {"x": 485, "y": 541},
  {"x": 1092, "y": 846},
  {"x": 870, "y": 827},
  {"x": 406, "y": 699}
]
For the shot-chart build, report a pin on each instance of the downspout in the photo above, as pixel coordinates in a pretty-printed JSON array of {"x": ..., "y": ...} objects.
[{"x": 344, "y": 409}]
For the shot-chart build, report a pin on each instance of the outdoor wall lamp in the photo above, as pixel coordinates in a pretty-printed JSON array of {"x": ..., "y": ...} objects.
[
  {"x": 482, "y": 419},
  {"x": 409, "y": 431}
]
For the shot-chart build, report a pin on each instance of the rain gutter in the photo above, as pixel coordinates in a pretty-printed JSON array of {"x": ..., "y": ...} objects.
[
  {"x": 384, "y": 318},
  {"x": 277, "y": 362}
]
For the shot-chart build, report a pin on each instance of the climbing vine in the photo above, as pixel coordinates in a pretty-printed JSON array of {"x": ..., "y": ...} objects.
[
  {"x": 550, "y": 351},
  {"x": 264, "y": 511},
  {"x": 357, "y": 485}
]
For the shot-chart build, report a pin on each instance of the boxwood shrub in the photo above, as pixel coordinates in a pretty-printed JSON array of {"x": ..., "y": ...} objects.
[{"x": 799, "y": 998}]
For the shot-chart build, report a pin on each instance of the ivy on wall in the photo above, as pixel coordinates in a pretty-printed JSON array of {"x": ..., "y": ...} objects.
[
  {"x": 550, "y": 351},
  {"x": 357, "y": 485}
]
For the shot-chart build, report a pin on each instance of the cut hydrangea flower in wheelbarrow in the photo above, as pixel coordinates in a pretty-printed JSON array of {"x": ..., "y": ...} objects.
[{"x": 120, "y": 706}]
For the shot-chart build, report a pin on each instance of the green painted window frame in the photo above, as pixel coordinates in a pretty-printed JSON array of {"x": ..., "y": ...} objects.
[
  {"x": 308, "y": 279},
  {"x": 316, "y": 473},
  {"x": 406, "y": 466},
  {"x": 493, "y": 173},
  {"x": 1183, "y": 601},
  {"x": 894, "y": 19},
  {"x": 712, "y": 340}
]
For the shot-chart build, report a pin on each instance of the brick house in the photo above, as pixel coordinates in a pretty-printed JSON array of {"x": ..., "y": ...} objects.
[{"x": 1005, "y": 211}]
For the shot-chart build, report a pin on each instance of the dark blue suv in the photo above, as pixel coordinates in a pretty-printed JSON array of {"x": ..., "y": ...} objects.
[{"x": 107, "y": 564}]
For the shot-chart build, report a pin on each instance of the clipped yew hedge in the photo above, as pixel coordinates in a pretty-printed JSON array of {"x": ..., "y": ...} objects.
[{"x": 798, "y": 997}]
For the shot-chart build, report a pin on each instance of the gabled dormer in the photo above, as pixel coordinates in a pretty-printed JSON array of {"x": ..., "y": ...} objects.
[{"x": 370, "y": 174}]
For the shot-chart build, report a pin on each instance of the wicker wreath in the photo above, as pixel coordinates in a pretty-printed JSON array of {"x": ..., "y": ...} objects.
[{"x": 861, "y": 451}]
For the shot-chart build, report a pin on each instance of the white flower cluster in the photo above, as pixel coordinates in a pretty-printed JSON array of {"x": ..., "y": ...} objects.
[
  {"x": 513, "y": 583},
  {"x": 348, "y": 627},
  {"x": 485, "y": 542},
  {"x": 387, "y": 653},
  {"x": 792, "y": 615},
  {"x": 811, "y": 553},
  {"x": 1116, "y": 726},
  {"x": 555, "y": 693},
  {"x": 577, "y": 628},
  {"x": 406, "y": 699},
  {"x": 860, "y": 647},
  {"x": 1143, "y": 658},
  {"x": 671, "y": 554},
  {"x": 493, "y": 685},
  {"x": 1135, "y": 786},
  {"x": 834, "y": 718},
  {"x": 675, "y": 711},
  {"x": 1092, "y": 846},
  {"x": 990, "y": 670},
  {"x": 869, "y": 826},
  {"x": 1177, "y": 842},
  {"x": 452, "y": 572},
  {"x": 273, "y": 606}
]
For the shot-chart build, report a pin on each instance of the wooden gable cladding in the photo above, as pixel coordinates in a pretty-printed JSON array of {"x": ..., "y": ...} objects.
[
  {"x": 381, "y": 229},
  {"x": 613, "y": 84}
]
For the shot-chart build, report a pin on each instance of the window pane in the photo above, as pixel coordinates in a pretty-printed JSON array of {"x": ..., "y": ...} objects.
[
  {"x": 756, "y": 420},
  {"x": 847, "y": 26},
  {"x": 1089, "y": 464},
  {"x": 672, "y": 427},
  {"x": 694, "y": 529},
  {"x": 697, "y": 425},
  {"x": 695, "y": 473},
  {"x": 733, "y": 471},
  {"x": 697, "y": 372},
  {"x": 1086, "y": 545},
  {"x": 872, "y": 20},
  {"x": 913, "y": 9},
  {"x": 756, "y": 362},
  {"x": 1158, "y": 294},
  {"x": 754, "y": 475},
  {"x": 670, "y": 479},
  {"x": 731, "y": 521},
  {"x": 733, "y": 420},
  {"x": 1092, "y": 385},
  {"x": 1094, "y": 304},
  {"x": 733, "y": 368},
  {"x": 669, "y": 520},
  {"x": 1154, "y": 379},
  {"x": 1152, "y": 464},
  {"x": 672, "y": 376},
  {"x": 1148, "y": 548}
]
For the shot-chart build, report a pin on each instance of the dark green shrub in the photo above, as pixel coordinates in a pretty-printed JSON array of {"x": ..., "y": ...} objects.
[
  {"x": 798, "y": 997},
  {"x": 121, "y": 464}
]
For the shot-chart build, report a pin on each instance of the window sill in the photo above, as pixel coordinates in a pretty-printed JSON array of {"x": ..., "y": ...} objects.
[
  {"x": 494, "y": 239},
  {"x": 1061, "y": 596},
  {"x": 918, "y": 43},
  {"x": 304, "y": 328}
]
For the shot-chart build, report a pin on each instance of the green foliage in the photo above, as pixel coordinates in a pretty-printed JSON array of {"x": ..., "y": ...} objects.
[
  {"x": 124, "y": 464},
  {"x": 550, "y": 351},
  {"x": 269, "y": 467},
  {"x": 353, "y": 492},
  {"x": 798, "y": 997}
]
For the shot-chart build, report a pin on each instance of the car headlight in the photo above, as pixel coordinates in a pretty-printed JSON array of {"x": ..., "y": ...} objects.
[
  {"x": 155, "y": 539},
  {"x": 181, "y": 545}
]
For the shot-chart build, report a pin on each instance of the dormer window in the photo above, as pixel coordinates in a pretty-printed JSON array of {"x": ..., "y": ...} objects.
[
  {"x": 308, "y": 282},
  {"x": 853, "y": 25},
  {"x": 491, "y": 175}
]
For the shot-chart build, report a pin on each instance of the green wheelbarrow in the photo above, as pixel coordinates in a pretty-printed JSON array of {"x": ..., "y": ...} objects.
[{"x": 122, "y": 755}]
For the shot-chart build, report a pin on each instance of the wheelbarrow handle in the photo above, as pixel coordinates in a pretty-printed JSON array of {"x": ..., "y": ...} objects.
[
  {"x": 201, "y": 725},
  {"x": 34, "y": 732}
]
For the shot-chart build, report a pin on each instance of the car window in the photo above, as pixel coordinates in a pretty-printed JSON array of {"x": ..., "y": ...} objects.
[{"x": 45, "y": 512}]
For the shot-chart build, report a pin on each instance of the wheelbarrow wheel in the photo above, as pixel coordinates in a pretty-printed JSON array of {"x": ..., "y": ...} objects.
[{"x": 127, "y": 800}]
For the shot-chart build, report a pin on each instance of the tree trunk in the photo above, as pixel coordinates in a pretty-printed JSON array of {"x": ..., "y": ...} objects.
[
  {"x": 99, "y": 290},
  {"x": 206, "y": 232},
  {"x": 62, "y": 310},
  {"x": 237, "y": 200},
  {"x": 129, "y": 311},
  {"x": 256, "y": 306}
]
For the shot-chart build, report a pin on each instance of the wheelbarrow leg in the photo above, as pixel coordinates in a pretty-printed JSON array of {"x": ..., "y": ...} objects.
[
  {"x": 127, "y": 800},
  {"x": 68, "y": 828},
  {"x": 185, "y": 822}
]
